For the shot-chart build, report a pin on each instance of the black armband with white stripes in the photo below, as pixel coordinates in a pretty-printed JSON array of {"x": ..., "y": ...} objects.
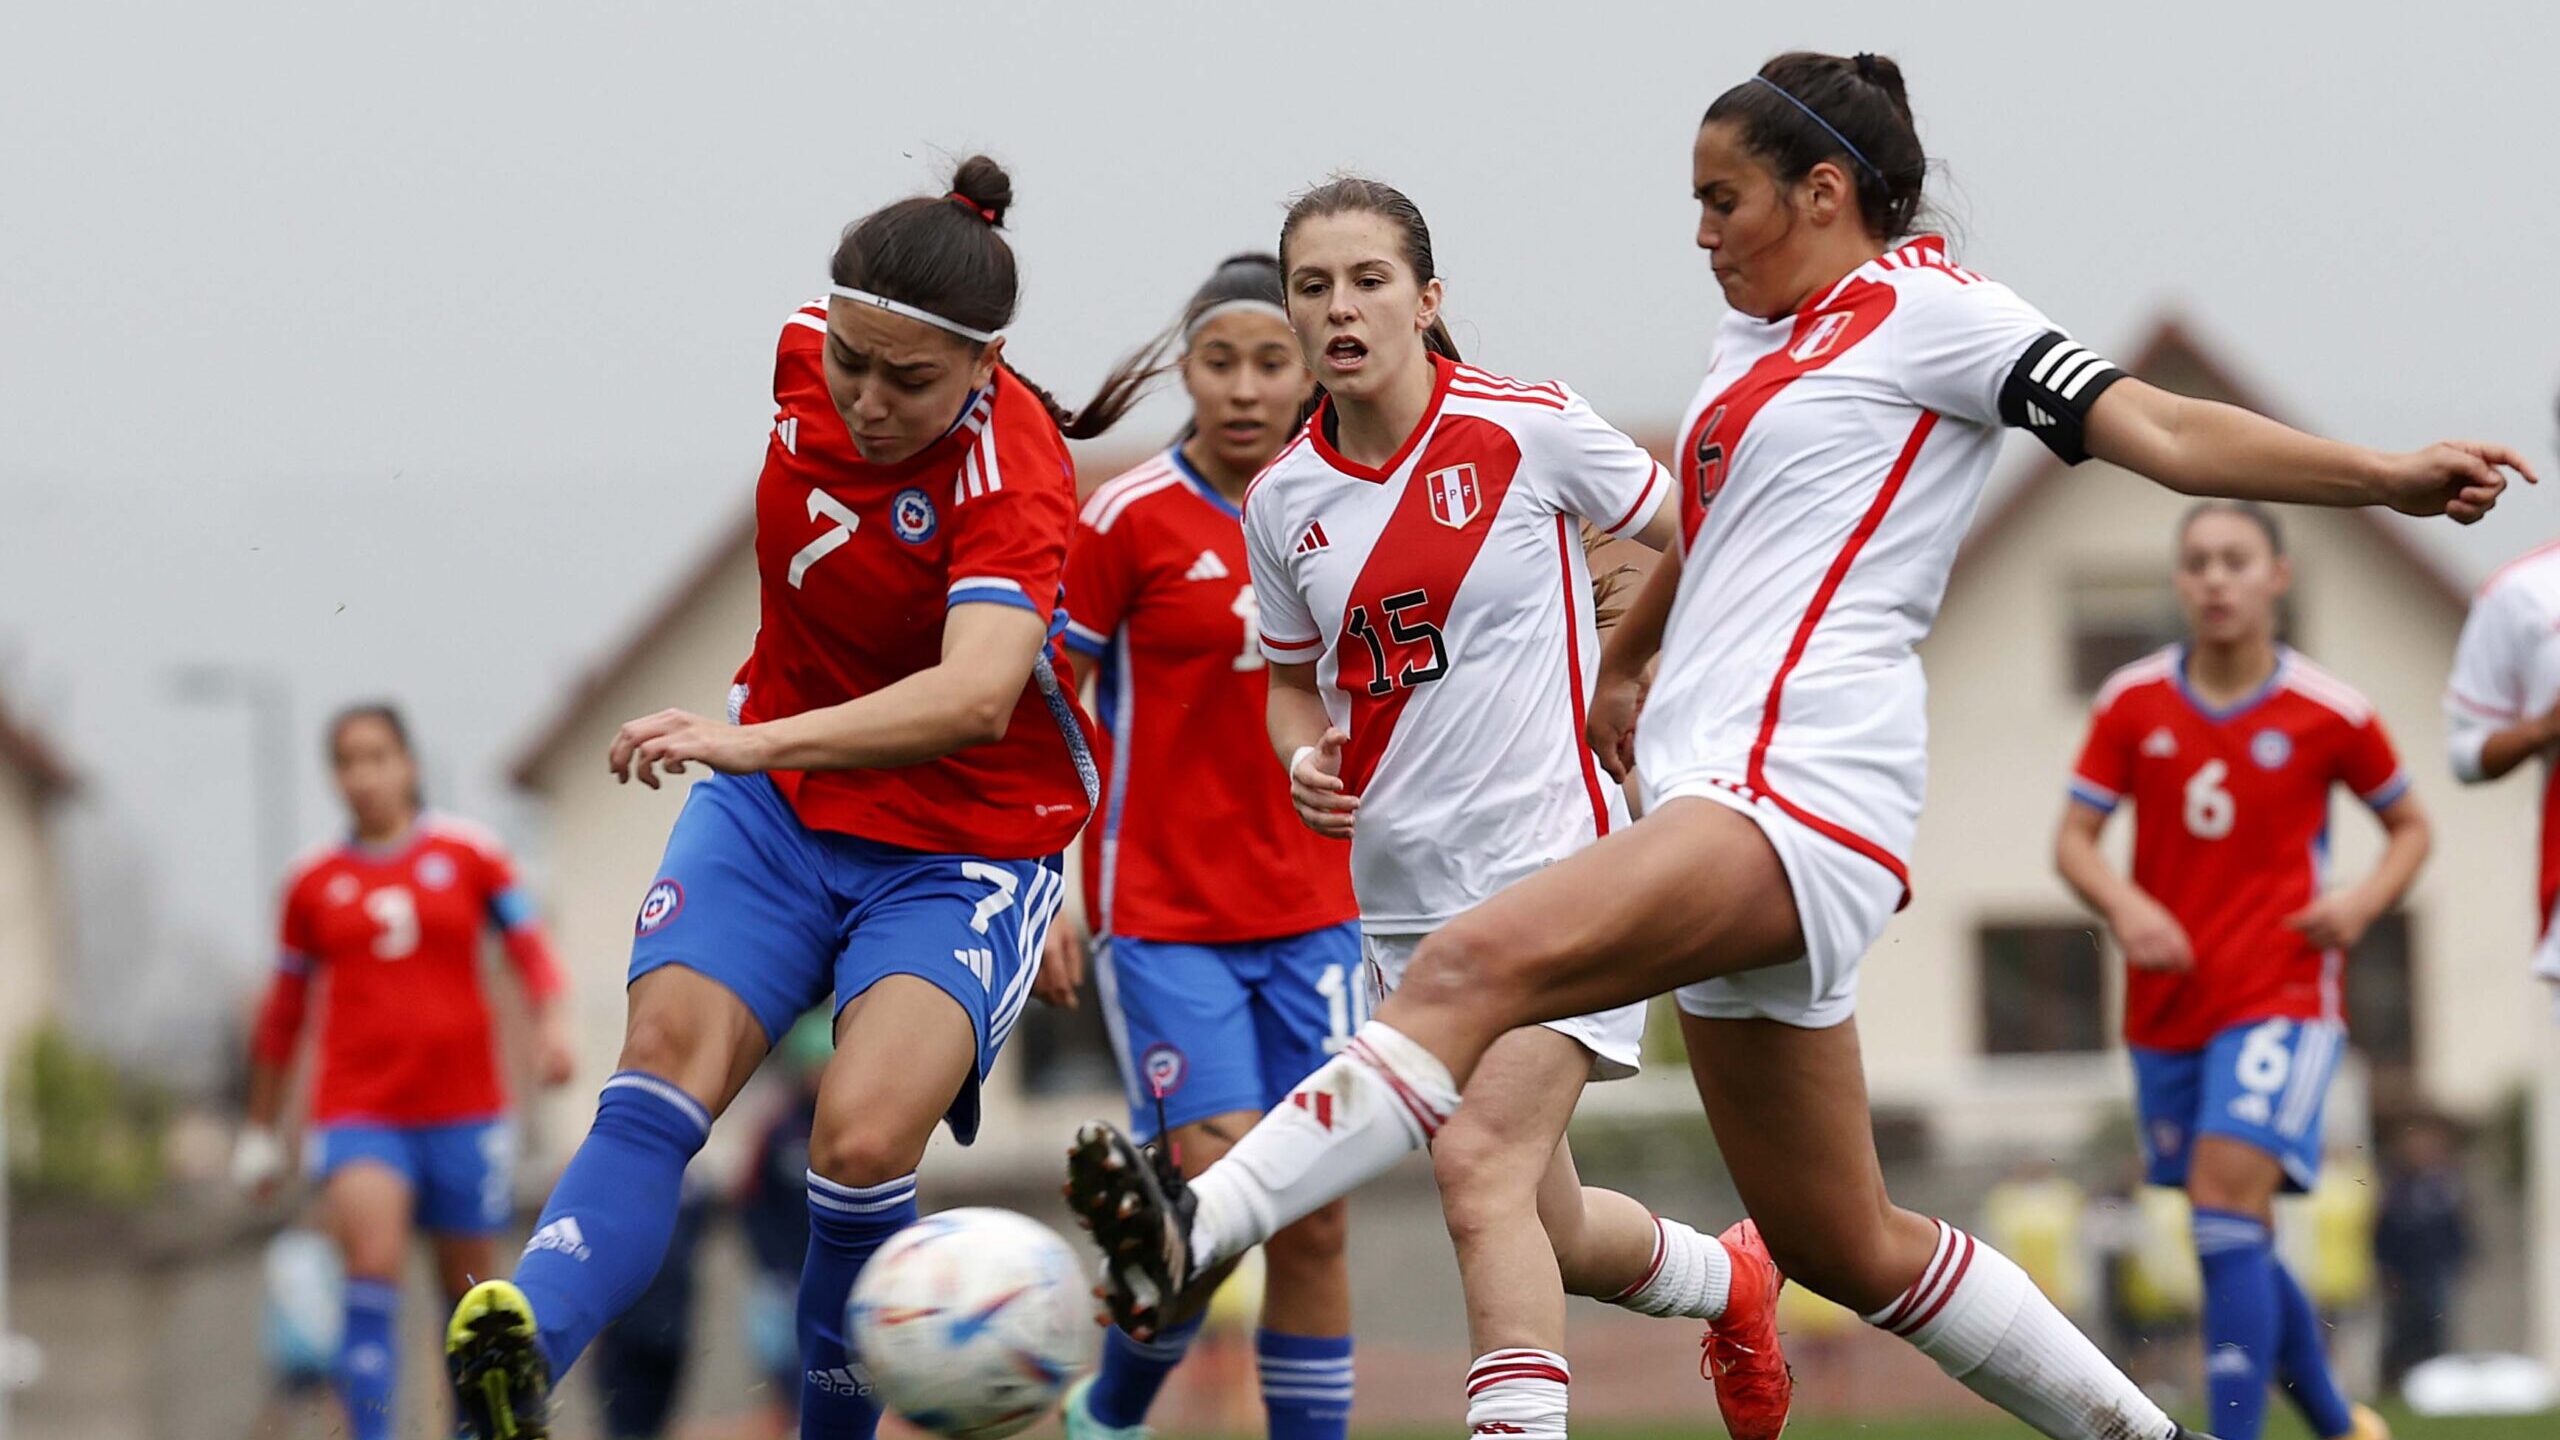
[{"x": 2049, "y": 394}]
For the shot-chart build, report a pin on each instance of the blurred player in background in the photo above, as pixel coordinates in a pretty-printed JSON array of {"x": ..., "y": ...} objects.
[
  {"x": 1431, "y": 645},
  {"x": 409, "y": 1127},
  {"x": 899, "y": 771},
  {"x": 2502, "y": 708},
  {"x": 2228, "y": 746},
  {"x": 1829, "y": 467},
  {"x": 1229, "y": 946}
]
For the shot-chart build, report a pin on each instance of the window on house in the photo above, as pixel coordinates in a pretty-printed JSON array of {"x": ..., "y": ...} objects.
[
  {"x": 2043, "y": 989},
  {"x": 2382, "y": 999}
]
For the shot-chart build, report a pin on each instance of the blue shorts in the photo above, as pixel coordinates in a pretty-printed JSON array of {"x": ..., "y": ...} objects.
[
  {"x": 1226, "y": 1028},
  {"x": 782, "y": 916},
  {"x": 2263, "y": 1084},
  {"x": 463, "y": 1176}
]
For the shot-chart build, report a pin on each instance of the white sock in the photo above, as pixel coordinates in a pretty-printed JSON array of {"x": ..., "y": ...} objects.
[
  {"x": 1378, "y": 1101},
  {"x": 1986, "y": 1324},
  {"x": 1518, "y": 1392},
  {"x": 1691, "y": 1275}
]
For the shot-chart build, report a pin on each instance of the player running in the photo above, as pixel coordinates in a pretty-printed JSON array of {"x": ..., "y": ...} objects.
[
  {"x": 2227, "y": 746},
  {"x": 409, "y": 1126},
  {"x": 900, "y": 770},
  {"x": 1229, "y": 948},
  {"x": 1427, "y": 610},
  {"x": 1828, "y": 468}
]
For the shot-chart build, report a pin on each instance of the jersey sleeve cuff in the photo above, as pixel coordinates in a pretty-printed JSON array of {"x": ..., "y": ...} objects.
[
  {"x": 293, "y": 962},
  {"x": 1641, "y": 512},
  {"x": 511, "y": 909},
  {"x": 2094, "y": 795},
  {"x": 1291, "y": 652},
  {"x": 1085, "y": 640},
  {"x": 2388, "y": 793},
  {"x": 989, "y": 590}
]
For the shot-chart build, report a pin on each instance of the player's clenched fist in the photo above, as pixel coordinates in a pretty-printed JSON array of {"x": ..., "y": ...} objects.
[
  {"x": 1316, "y": 788},
  {"x": 2151, "y": 937}
]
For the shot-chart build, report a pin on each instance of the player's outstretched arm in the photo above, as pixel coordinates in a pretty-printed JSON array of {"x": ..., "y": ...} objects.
[
  {"x": 965, "y": 699},
  {"x": 2202, "y": 447},
  {"x": 2151, "y": 938},
  {"x": 2338, "y": 919}
]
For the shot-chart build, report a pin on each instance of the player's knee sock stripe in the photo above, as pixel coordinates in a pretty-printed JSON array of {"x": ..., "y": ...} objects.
[
  {"x": 1428, "y": 1118},
  {"x": 861, "y": 1199},
  {"x": 2242, "y": 1320},
  {"x": 1661, "y": 1251},
  {"x": 675, "y": 1097},
  {"x": 1976, "y": 1314},
  {"x": 605, "y": 1230},
  {"x": 846, "y": 1225},
  {"x": 368, "y": 1358},
  {"x": 2302, "y": 1359},
  {"x": 1518, "y": 1393},
  {"x": 1133, "y": 1371},
  {"x": 1306, "y": 1384}
]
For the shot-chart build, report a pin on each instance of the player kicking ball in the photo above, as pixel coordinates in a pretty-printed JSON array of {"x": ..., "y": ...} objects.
[{"x": 1828, "y": 469}]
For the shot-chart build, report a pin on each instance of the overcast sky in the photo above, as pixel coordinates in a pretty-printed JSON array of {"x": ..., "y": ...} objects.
[{"x": 414, "y": 351}]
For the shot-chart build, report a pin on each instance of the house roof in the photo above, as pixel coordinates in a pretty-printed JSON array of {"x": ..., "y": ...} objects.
[
  {"x": 2174, "y": 359},
  {"x": 24, "y": 749}
]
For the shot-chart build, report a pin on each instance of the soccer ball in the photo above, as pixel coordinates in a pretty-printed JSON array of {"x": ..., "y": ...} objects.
[{"x": 971, "y": 1322}]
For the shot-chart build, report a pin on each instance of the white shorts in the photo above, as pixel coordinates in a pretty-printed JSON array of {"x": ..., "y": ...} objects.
[
  {"x": 1615, "y": 1038},
  {"x": 1843, "y": 900}
]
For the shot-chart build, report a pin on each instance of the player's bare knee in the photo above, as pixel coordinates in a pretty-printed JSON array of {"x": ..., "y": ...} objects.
[
  {"x": 1465, "y": 969},
  {"x": 1481, "y": 1189},
  {"x": 863, "y": 1152},
  {"x": 1315, "y": 1243},
  {"x": 662, "y": 1040}
]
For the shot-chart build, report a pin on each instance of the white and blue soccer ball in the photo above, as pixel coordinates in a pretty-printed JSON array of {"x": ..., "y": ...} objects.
[{"x": 972, "y": 1322}]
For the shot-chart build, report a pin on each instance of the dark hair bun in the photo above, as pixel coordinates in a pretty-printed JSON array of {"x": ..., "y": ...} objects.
[
  {"x": 983, "y": 183},
  {"x": 1885, "y": 73}
]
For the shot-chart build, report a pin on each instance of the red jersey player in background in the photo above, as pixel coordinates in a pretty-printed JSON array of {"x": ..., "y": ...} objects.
[
  {"x": 1429, "y": 617},
  {"x": 2228, "y": 746},
  {"x": 1228, "y": 948},
  {"x": 409, "y": 1124},
  {"x": 900, "y": 768}
]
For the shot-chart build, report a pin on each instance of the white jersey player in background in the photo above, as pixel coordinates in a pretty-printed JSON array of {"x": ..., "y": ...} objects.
[
  {"x": 2502, "y": 709},
  {"x": 1828, "y": 471},
  {"x": 1428, "y": 614}
]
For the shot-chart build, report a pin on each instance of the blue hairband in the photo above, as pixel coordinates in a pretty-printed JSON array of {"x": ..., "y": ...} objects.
[{"x": 1854, "y": 153}]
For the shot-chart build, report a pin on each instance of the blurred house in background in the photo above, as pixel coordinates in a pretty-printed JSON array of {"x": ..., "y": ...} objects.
[{"x": 34, "y": 933}]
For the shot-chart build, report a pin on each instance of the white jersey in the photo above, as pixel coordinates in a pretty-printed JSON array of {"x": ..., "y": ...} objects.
[
  {"x": 2506, "y": 668},
  {"x": 1446, "y": 604},
  {"x": 1828, "y": 469}
]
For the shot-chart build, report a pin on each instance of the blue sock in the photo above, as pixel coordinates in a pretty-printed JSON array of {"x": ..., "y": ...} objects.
[
  {"x": 1306, "y": 1384},
  {"x": 1132, "y": 1371},
  {"x": 2241, "y": 1320},
  {"x": 846, "y": 1224},
  {"x": 605, "y": 1231},
  {"x": 369, "y": 1357},
  {"x": 2302, "y": 1361}
]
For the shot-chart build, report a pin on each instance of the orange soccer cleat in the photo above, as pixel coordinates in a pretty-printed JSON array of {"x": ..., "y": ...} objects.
[{"x": 1754, "y": 1387}]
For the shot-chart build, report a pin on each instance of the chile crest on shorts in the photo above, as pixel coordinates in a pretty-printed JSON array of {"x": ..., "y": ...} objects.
[
  {"x": 1165, "y": 1068},
  {"x": 1454, "y": 495},
  {"x": 663, "y": 902}
]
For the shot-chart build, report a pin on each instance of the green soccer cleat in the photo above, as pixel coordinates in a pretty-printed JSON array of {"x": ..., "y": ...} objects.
[
  {"x": 500, "y": 1381},
  {"x": 1077, "y": 1412}
]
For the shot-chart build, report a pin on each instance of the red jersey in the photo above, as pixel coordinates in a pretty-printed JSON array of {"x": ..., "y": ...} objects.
[
  {"x": 858, "y": 564},
  {"x": 2231, "y": 833},
  {"x": 405, "y": 1037},
  {"x": 1196, "y": 841}
]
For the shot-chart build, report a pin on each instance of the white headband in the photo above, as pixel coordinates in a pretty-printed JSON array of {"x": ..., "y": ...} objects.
[
  {"x": 894, "y": 307},
  {"x": 1229, "y": 307}
]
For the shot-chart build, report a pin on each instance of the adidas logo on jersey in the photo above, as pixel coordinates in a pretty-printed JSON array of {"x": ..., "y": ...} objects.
[
  {"x": 562, "y": 1235},
  {"x": 2160, "y": 744},
  {"x": 787, "y": 430},
  {"x": 1207, "y": 567},
  {"x": 1312, "y": 541},
  {"x": 2037, "y": 417}
]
